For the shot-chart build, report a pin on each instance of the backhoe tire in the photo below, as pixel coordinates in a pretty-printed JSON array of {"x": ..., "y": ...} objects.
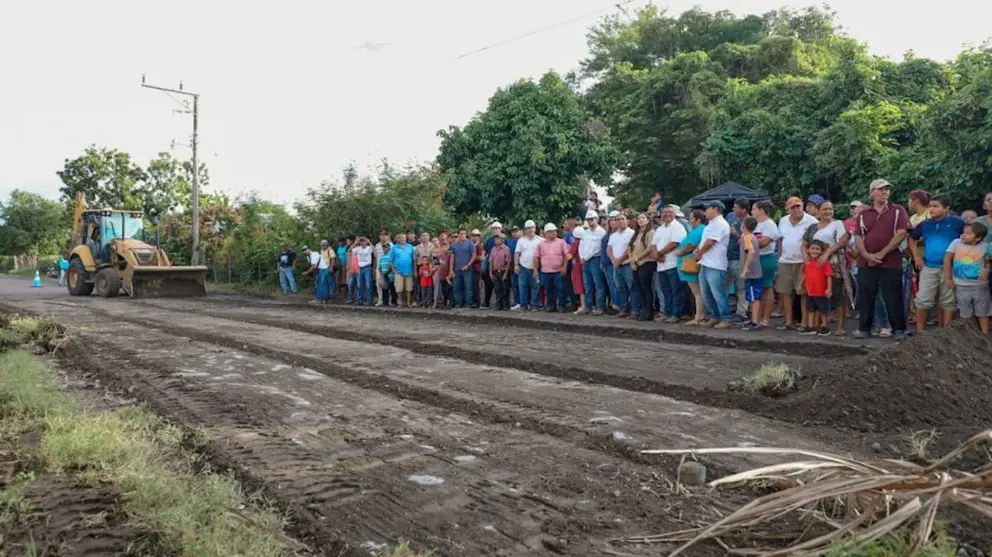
[
  {"x": 107, "y": 282},
  {"x": 76, "y": 279}
]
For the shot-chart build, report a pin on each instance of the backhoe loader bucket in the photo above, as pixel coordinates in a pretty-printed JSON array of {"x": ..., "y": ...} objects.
[{"x": 169, "y": 282}]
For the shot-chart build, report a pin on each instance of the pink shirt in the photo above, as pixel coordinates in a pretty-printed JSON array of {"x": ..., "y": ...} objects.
[{"x": 552, "y": 255}]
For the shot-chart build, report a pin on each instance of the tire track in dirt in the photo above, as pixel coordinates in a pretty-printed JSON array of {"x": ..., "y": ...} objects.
[
  {"x": 549, "y": 367},
  {"x": 597, "y": 326},
  {"x": 539, "y": 498},
  {"x": 586, "y": 416}
]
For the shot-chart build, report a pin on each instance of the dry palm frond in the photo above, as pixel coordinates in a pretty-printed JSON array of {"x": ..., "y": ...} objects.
[{"x": 877, "y": 498}]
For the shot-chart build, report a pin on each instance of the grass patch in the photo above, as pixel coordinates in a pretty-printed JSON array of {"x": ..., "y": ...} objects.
[
  {"x": 770, "y": 380},
  {"x": 895, "y": 545},
  {"x": 920, "y": 443},
  {"x": 402, "y": 549},
  {"x": 18, "y": 331},
  {"x": 194, "y": 513}
]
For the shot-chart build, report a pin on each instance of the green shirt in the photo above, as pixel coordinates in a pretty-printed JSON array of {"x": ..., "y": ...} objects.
[{"x": 984, "y": 219}]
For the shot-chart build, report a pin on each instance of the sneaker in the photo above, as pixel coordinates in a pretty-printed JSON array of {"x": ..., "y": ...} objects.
[
  {"x": 741, "y": 319},
  {"x": 899, "y": 336},
  {"x": 672, "y": 320},
  {"x": 517, "y": 307},
  {"x": 859, "y": 334},
  {"x": 753, "y": 327},
  {"x": 483, "y": 307},
  {"x": 806, "y": 331},
  {"x": 885, "y": 332},
  {"x": 723, "y": 325},
  {"x": 581, "y": 311},
  {"x": 823, "y": 332},
  {"x": 597, "y": 313}
]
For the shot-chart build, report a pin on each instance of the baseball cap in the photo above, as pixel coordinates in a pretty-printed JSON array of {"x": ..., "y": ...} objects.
[
  {"x": 857, "y": 203},
  {"x": 496, "y": 225},
  {"x": 879, "y": 184},
  {"x": 816, "y": 199},
  {"x": 475, "y": 232},
  {"x": 550, "y": 227},
  {"x": 592, "y": 215},
  {"x": 306, "y": 248},
  {"x": 677, "y": 210},
  {"x": 614, "y": 214},
  {"x": 530, "y": 224},
  {"x": 716, "y": 204}
]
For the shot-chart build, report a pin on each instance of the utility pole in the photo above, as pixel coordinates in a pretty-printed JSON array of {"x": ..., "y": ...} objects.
[{"x": 194, "y": 259}]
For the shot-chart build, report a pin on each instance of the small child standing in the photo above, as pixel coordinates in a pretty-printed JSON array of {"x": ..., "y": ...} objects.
[
  {"x": 819, "y": 288},
  {"x": 426, "y": 273},
  {"x": 966, "y": 270},
  {"x": 751, "y": 273}
]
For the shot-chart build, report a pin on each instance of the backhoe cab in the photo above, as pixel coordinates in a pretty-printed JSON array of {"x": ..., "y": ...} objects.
[{"x": 109, "y": 253}]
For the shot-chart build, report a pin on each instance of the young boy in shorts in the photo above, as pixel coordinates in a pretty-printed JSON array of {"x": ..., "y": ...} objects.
[
  {"x": 751, "y": 272},
  {"x": 819, "y": 288},
  {"x": 966, "y": 270}
]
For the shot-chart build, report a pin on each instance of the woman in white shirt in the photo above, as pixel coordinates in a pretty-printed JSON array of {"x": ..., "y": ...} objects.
[
  {"x": 833, "y": 233},
  {"x": 767, "y": 234}
]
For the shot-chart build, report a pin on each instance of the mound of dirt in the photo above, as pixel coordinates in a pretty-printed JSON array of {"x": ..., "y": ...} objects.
[{"x": 940, "y": 379}]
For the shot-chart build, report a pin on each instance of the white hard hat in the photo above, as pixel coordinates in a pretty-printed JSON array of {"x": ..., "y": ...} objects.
[
  {"x": 592, "y": 215},
  {"x": 530, "y": 224},
  {"x": 550, "y": 227},
  {"x": 496, "y": 225}
]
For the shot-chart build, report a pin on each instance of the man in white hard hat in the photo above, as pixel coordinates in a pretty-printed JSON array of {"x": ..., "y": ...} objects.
[
  {"x": 590, "y": 254},
  {"x": 495, "y": 229},
  {"x": 552, "y": 257},
  {"x": 524, "y": 266}
]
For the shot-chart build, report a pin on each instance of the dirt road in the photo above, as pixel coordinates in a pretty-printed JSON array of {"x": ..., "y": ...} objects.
[{"x": 471, "y": 434}]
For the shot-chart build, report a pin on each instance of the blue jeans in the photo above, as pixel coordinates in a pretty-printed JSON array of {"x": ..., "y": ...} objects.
[
  {"x": 365, "y": 285},
  {"x": 659, "y": 292},
  {"x": 554, "y": 290},
  {"x": 712, "y": 287},
  {"x": 671, "y": 286},
  {"x": 881, "y": 316},
  {"x": 325, "y": 284},
  {"x": 462, "y": 288},
  {"x": 611, "y": 282},
  {"x": 353, "y": 287},
  {"x": 286, "y": 280},
  {"x": 514, "y": 288},
  {"x": 528, "y": 288},
  {"x": 593, "y": 278},
  {"x": 629, "y": 300}
]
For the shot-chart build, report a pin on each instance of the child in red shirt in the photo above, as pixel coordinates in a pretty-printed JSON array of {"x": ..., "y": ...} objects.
[
  {"x": 426, "y": 273},
  {"x": 819, "y": 287}
]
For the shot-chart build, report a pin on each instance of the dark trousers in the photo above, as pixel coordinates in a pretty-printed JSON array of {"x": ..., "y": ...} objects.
[
  {"x": 873, "y": 281},
  {"x": 501, "y": 286},
  {"x": 389, "y": 297},
  {"x": 488, "y": 284},
  {"x": 643, "y": 281}
]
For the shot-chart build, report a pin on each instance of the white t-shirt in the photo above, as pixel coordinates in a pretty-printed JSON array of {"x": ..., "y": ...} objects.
[
  {"x": 592, "y": 242},
  {"x": 316, "y": 260},
  {"x": 364, "y": 256},
  {"x": 664, "y": 235},
  {"x": 792, "y": 238},
  {"x": 831, "y": 234},
  {"x": 527, "y": 248},
  {"x": 620, "y": 241},
  {"x": 767, "y": 229},
  {"x": 717, "y": 230}
]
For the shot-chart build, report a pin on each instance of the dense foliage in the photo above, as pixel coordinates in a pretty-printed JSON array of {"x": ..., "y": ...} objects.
[{"x": 783, "y": 103}]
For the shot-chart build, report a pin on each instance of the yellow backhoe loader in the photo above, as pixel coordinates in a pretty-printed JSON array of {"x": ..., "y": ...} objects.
[{"x": 109, "y": 253}]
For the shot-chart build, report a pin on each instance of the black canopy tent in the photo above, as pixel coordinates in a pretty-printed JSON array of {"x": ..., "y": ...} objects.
[{"x": 726, "y": 193}]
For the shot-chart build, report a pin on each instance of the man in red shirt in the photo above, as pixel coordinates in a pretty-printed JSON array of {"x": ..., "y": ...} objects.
[{"x": 878, "y": 231}]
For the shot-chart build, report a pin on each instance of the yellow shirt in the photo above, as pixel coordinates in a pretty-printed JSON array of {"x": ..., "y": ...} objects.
[{"x": 919, "y": 217}]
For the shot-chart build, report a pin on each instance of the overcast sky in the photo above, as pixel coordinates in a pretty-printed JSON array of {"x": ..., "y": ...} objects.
[{"x": 288, "y": 99}]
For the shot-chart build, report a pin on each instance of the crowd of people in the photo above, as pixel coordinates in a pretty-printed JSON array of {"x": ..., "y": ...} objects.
[{"x": 889, "y": 265}]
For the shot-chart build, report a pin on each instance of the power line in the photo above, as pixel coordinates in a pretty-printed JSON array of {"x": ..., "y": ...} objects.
[{"x": 505, "y": 42}]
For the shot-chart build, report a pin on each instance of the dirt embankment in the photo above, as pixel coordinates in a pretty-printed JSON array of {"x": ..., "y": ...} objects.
[{"x": 941, "y": 379}]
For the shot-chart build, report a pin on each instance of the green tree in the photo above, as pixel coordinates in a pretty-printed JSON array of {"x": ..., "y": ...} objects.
[
  {"x": 31, "y": 224},
  {"x": 107, "y": 177},
  {"x": 526, "y": 156}
]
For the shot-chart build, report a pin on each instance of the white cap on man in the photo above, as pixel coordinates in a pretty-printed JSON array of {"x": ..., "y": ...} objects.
[
  {"x": 550, "y": 227},
  {"x": 530, "y": 224},
  {"x": 591, "y": 215},
  {"x": 496, "y": 225}
]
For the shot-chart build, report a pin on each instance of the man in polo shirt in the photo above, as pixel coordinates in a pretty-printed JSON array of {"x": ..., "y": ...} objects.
[
  {"x": 590, "y": 253},
  {"x": 713, "y": 263},
  {"x": 524, "y": 267},
  {"x": 617, "y": 249},
  {"x": 463, "y": 254},
  {"x": 880, "y": 229},
  {"x": 666, "y": 240},
  {"x": 402, "y": 268},
  {"x": 789, "y": 277},
  {"x": 937, "y": 233}
]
